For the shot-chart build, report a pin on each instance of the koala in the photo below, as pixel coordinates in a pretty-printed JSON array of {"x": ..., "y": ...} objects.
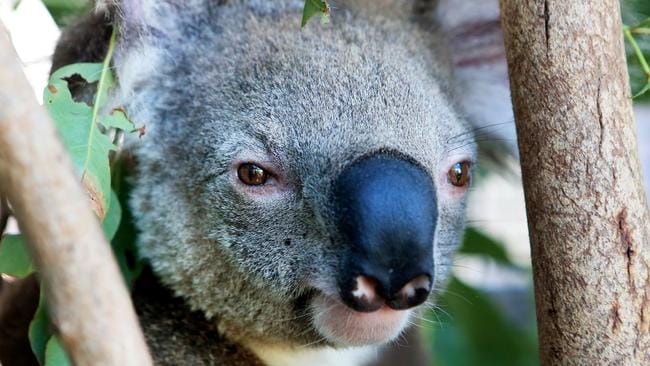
[{"x": 299, "y": 193}]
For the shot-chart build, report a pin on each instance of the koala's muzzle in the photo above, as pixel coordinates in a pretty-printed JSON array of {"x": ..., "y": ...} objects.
[{"x": 386, "y": 214}]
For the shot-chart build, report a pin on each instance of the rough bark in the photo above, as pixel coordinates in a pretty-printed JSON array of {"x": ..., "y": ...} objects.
[
  {"x": 587, "y": 211},
  {"x": 87, "y": 299}
]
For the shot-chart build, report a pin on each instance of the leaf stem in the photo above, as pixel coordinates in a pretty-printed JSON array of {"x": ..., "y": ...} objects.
[
  {"x": 639, "y": 55},
  {"x": 641, "y": 31},
  {"x": 99, "y": 97}
]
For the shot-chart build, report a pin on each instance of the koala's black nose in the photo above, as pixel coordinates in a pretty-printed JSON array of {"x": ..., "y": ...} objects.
[{"x": 386, "y": 211}]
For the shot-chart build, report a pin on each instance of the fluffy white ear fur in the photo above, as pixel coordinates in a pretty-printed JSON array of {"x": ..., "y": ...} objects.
[
  {"x": 140, "y": 16},
  {"x": 474, "y": 31}
]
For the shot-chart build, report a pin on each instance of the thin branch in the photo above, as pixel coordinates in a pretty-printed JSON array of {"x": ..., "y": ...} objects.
[{"x": 87, "y": 299}]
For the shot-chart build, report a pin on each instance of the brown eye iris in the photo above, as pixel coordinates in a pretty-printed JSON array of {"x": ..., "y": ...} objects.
[
  {"x": 459, "y": 174},
  {"x": 252, "y": 175}
]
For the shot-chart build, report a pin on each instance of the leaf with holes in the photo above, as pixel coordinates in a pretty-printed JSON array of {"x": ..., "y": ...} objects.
[{"x": 82, "y": 128}]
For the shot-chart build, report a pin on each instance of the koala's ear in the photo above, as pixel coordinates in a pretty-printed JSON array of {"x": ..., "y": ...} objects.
[{"x": 475, "y": 39}]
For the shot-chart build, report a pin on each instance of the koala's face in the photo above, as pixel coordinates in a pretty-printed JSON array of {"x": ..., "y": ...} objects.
[{"x": 299, "y": 187}]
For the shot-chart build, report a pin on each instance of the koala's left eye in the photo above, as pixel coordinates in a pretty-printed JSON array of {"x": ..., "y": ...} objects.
[
  {"x": 252, "y": 175},
  {"x": 459, "y": 174}
]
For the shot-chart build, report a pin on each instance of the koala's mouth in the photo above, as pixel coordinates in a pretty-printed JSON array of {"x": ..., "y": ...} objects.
[{"x": 344, "y": 326}]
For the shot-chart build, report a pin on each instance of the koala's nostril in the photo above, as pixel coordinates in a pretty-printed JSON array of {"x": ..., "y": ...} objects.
[
  {"x": 414, "y": 293},
  {"x": 364, "y": 295},
  {"x": 366, "y": 289},
  {"x": 421, "y": 282},
  {"x": 367, "y": 294}
]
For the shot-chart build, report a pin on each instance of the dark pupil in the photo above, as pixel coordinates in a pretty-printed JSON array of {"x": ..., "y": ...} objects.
[
  {"x": 254, "y": 174},
  {"x": 458, "y": 171}
]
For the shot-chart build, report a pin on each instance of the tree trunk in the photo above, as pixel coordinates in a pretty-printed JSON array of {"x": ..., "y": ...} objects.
[
  {"x": 587, "y": 211},
  {"x": 87, "y": 299}
]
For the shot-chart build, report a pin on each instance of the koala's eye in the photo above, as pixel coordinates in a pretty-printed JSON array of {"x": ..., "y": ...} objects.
[
  {"x": 252, "y": 175},
  {"x": 459, "y": 174}
]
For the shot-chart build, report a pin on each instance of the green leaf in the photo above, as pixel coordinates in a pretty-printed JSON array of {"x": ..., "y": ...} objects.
[
  {"x": 313, "y": 8},
  {"x": 14, "y": 258},
  {"x": 476, "y": 332},
  {"x": 81, "y": 127},
  {"x": 644, "y": 24},
  {"x": 123, "y": 242},
  {"x": 118, "y": 228},
  {"x": 87, "y": 146},
  {"x": 117, "y": 119},
  {"x": 55, "y": 355},
  {"x": 477, "y": 243},
  {"x": 112, "y": 220},
  {"x": 39, "y": 330},
  {"x": 642, "y": 91},
  {"x": 65, "y": 11}
]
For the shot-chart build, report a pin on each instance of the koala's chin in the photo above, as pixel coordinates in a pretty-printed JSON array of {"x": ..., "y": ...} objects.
[{"x": 344, "y": 327}]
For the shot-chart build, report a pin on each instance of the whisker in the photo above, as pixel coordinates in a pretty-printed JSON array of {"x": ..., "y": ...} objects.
[
  {"x": 474, "y": 142},
  {"x": 319, "y": 340},
  {"x": 439, "y": 308},
  {"x": 483, "y": 135},
  {"x": 428, "y": 321},
  {"x": 482, "y": 128},
  {"x": 459, "y": 296}
]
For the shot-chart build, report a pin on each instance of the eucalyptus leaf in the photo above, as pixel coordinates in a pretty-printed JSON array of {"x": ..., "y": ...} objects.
[
  {"x": 477, "y": 243},
  {"x": 82, "y": 127},
  {"x": 313, "y": 8},
  {"x": 65, "y": 11},
  {"x": 117, "y": 119},
  {"x": 123, "y": 241},
  {"x": 112, "y": 220},
  {"x": 636, "y": 14},
  {"x": 55, "y": 355},
  {"x": 474, "y": 331},
  {"x": 87, "y": 146},
  {"x": 14, "y": 258},
  {"x": 40, "y": 330},
  {"x": 645, "y": 89}
]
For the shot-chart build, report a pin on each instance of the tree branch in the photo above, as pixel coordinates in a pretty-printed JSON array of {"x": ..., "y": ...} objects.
[
  {"x": 587, "y": 210},
  {"x": 87, "y": 299}
]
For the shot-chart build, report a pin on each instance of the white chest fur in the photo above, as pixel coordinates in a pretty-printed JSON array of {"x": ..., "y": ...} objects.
[{"x": 326, "y": 356}]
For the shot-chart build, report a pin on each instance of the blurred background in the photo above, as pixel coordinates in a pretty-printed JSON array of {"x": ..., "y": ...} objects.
[{"x": 486, "y": 316}]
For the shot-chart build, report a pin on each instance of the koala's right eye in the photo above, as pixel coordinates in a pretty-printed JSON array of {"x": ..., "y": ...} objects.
[{"x": 252, "y": 175}]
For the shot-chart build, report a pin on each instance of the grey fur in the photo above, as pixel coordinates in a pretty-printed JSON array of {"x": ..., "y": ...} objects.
[{"x": 216, "y": 82}]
